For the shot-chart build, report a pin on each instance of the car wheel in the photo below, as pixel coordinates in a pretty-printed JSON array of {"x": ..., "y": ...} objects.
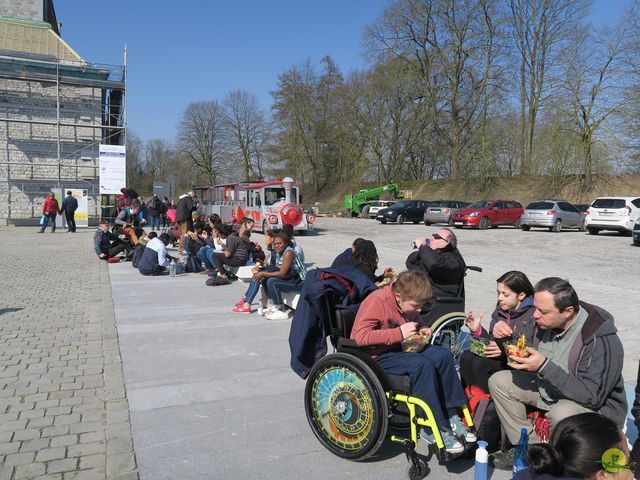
[
  {"x": 525, "y": 228},
  {"x": 636, "y": 242},
  {"x": 557, "y": 226},
  {"x": 484, "y": 223},
  {"x": 383, "y": 222},
  {"x": 517, "y": 224},
  {"x": 415, "y": 222},
  {"x": 399, "y": 219},
  {"x": 427, "y": 223},
  {"x": 583, "y": 227},
  {"x": 593, "y": 231}
]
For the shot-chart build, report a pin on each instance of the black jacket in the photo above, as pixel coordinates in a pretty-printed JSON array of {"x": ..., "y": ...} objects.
[
  {"x": 154, "y": 206},
  {"x": 444, "y": 267},
  {"x": 185, "y": 209},
  {"x": 69, "y": 204}
]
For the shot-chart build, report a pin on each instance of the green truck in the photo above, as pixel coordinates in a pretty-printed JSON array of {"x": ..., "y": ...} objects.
[{"x": 355, "y": 203}]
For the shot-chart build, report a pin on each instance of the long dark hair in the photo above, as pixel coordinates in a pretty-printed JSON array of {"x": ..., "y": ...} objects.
[
  {"x": 516, "y": 282},
  {"x": 365, "y": 252},
  {"x": 576, "y": 446}
]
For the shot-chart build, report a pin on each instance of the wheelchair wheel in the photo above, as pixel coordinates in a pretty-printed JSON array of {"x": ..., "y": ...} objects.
[
  {"x": 448, "y": 333},
  {"x": 346, "y": 406}
]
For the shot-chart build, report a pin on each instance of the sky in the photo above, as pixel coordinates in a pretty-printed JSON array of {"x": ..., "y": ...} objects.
[{"x": 182, "y": 52}]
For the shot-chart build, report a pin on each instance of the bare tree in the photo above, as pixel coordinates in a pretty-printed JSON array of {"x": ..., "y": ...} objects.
[
  {"x": 451, "y": 45},
  {"x": 539, "y": 29},
  {"x": 160, "y": 158},
  {"x": 248, "y": 132},
  {"x": 201, "y": 139}
]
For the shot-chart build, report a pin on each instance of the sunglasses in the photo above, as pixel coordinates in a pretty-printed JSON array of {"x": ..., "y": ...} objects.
[{"x": 439, "y": 237}]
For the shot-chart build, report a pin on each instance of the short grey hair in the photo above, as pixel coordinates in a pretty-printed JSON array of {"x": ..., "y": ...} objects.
[{"x": 453, "y": 240}]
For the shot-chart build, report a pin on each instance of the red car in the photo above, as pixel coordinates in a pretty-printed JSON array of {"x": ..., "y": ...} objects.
[{"x": 488, "y": 213}]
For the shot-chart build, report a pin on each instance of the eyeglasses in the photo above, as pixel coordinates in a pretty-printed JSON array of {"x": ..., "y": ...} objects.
[{"x": 437, "y": 236}]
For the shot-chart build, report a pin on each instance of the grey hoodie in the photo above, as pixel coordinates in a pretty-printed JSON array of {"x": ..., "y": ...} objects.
[{"x": 594, "y": 379}]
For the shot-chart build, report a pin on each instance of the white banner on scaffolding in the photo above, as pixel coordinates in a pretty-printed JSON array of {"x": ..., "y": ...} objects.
[{"x": 113, "y": 169}]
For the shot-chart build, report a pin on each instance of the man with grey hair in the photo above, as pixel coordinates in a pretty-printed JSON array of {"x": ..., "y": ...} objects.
[
  {"x": 575, "y": 367},
  {"x": 439, "y": 258}
]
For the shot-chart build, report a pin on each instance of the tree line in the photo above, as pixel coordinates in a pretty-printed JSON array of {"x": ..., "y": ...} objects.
[{"x": 454, "y": 89}]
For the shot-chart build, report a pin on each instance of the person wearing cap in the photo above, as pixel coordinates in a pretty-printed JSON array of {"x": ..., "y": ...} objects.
[{"x": 69, "y": 207}]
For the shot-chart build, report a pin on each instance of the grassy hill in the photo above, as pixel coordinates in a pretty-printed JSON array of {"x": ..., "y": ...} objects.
[{"x": 521, "y": 189}]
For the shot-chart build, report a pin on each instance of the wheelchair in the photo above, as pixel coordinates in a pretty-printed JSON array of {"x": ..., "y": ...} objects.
[{"x": 350, "y": 401}]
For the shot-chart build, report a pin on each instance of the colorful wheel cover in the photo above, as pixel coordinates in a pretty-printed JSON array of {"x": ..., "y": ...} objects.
[{"x": 342, "y": 408}]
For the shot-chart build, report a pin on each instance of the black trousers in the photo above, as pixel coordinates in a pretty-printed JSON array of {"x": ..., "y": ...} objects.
[
  {"x": 71, "y": 221},
  {"x": 476, "y": 370}
]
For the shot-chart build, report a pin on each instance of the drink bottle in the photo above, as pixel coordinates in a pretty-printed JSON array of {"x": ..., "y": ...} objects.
[
  {"x": 172, "y": 268},
  {"x": 520, "y": 457},
  {"x": 260, "y": 310},
  {"x": 414, "y": 245},
  {"x": 482, "y": 459}
]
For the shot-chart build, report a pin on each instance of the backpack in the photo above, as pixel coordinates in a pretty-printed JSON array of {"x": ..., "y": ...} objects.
[
  {"x": 256, "y": 252},
  {"x": 193, "y": 265},
  {"x": 485, "y": 417}
]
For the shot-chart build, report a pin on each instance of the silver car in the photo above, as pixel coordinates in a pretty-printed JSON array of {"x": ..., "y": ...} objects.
[
  {"x": 552, "y": 214},
  {"x": 440, "y": 211}
]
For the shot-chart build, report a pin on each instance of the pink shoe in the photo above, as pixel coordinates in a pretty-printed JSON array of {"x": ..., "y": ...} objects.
[
  {"x": 242, "y": 310},
  {"x": 240, "y": 302}
]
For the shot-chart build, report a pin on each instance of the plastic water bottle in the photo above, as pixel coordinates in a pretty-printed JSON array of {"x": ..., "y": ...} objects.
[
  {"x": 520, "y": 457},
  {"x": 414, "y": 245},
  {"x": 260, "y": 311},
  {"x": 172, "y": 268},
  {"x": 482, "y": 459}
]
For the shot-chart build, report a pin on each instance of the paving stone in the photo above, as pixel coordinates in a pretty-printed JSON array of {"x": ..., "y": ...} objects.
[
  {"x": 64, "y": 440},
  {"x": 34, "y": 445},
  {"x": 93, "y": 474},
  {"x": 93, "y": 461},
  {"x": 19, "y": 459},
  {"x": 51, "y": 454},
  {"x": 11, "y": 447},
  {"x": 92, "y": 437},
  {"x": 124, "y": 462},
  {"x": 86, "y": 449},
  {"x": 26, "y": 434},
  {"x": 30, "y": 471},
  {"x": 66, "y": 465}
]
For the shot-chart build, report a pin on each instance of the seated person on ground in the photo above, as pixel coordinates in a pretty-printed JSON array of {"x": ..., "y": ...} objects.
[
  {"x": 587, "y": 446},
  {"x": 214, "y": 243},
  {"x": 236, "y": 250},
  {"x": 155, "y": 258},
  {"x": 576, "y": 367},
  {"x": 244, "y": 304},
  {"x": 391, "y": 314},
  {"x": 107, "y": 244},
  {"x": 286, "y": 275}
]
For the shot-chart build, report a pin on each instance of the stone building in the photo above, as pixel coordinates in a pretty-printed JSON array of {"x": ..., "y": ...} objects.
[{"x": 55, "y": 110}]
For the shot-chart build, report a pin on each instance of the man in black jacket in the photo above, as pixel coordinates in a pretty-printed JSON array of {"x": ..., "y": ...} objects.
[
  {"x": 439, "y": 258},
  {"x": 69, "y": 207},
  {"x": 154, "y": 209},
  {"x": 184, "y": 216}
]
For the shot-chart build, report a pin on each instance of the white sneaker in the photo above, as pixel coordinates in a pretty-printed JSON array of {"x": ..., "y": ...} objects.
[
  {"x": 278, "y": 315},
  {"x": 269, "y": 309}
]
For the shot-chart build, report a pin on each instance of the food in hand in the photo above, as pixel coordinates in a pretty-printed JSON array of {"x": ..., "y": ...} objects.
[
  {"x": 517, "y": 350},
  {"x": 478, "y": 346},
  {"x": 415, "y": 343},
  {"x": 386, "y": 281}
]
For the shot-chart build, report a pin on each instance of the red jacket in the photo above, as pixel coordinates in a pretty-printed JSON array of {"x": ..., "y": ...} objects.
[
  {"x": 50, "y": 205},
  {"x": 378, "y": 321}
]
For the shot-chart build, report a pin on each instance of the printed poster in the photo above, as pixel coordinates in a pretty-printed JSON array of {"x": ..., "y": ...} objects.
[{"x": 113, "y": 169}]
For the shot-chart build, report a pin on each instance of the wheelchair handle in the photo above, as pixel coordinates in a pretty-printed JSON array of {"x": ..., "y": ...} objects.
[{"x": 475, "y": 269}]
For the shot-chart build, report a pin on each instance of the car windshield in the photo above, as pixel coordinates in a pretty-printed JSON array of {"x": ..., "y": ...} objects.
[
  {"x": 540, "y": 206},
  {"x": 481, "y": 204},
  {"x": 608, "y": 203}
]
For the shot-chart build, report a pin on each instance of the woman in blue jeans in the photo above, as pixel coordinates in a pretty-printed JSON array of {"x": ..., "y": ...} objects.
[{"x": 286, "y": 275}]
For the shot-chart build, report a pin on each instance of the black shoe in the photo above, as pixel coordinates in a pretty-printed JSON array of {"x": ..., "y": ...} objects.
[{"x": 503, "y": 460}]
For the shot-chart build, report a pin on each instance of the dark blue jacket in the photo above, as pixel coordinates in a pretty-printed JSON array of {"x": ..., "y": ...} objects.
[
  {"x": 310, "y": 325},
  {"x": 69, "y": 204}
]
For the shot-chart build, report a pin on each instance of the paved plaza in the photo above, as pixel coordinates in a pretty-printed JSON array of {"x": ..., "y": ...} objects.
[{"x": 210, "y": 393}]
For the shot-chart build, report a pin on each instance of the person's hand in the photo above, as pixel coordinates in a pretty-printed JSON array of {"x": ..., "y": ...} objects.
[
  {"x": 102, "y": 255},
  {"x": 227, "y": 254},
  {"x": 122, "y": 236},
  {"x": 532, "y": 363},
  {"x": 426, "y": 331},
  {"x": 492, "y": 350},
  {"x": 258, "y": 276},
  {"x": 502, "y": 330},
  {"x": 473, "y": 323},
  {"x": 389, "y": 272},
  {"x": 419, "y": 241},
  {"x": 408, "y": 329}
]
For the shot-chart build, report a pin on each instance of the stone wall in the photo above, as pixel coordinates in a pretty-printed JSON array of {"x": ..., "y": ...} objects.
[
  {"x": 24, "y": 9},
  {"x": 31, "y": 148}
]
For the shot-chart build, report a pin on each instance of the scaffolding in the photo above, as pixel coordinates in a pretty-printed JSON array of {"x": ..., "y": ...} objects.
[{"x": 54, "y": 113}]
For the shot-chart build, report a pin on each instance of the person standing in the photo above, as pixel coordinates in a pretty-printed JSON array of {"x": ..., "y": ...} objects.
[
  {"x": 154, "y": 209},
  {"x": 69, "y": 207},
  {"x": 165, "y": 208},
  {"x": 50, "y": 208},
  {"x": 184, "y": 216}
]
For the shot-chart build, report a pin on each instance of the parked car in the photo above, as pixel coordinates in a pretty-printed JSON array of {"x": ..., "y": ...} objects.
[
  {"x": 405, "y": 210},
  {"x": 613, "y": 213},
  {"x": 489, "y": 213},
  {"x": 582, "y": 208},
  {"x": 372, "y": 208},
  {"x": 636, "y": 235},
  {"x": 552, "y": 214},
  {"x": 440, "y": 211}
]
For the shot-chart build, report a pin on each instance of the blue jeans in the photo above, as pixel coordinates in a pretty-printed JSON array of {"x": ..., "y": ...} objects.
[
  {"x": 275, "y": 286},
  {"x": 433, "y": 379},
  {"x": 50, "y": 216},
  {"x": 155, "y": 222},
  {"x": 252, "y": 291},
  {"x": 206, "y": 255}
]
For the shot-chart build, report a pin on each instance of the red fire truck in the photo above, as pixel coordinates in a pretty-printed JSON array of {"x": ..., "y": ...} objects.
[{"x": 271, "y": 204}]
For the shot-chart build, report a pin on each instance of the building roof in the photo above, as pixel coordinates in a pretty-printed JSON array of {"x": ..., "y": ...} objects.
[{"x": 31, "y": 39}]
